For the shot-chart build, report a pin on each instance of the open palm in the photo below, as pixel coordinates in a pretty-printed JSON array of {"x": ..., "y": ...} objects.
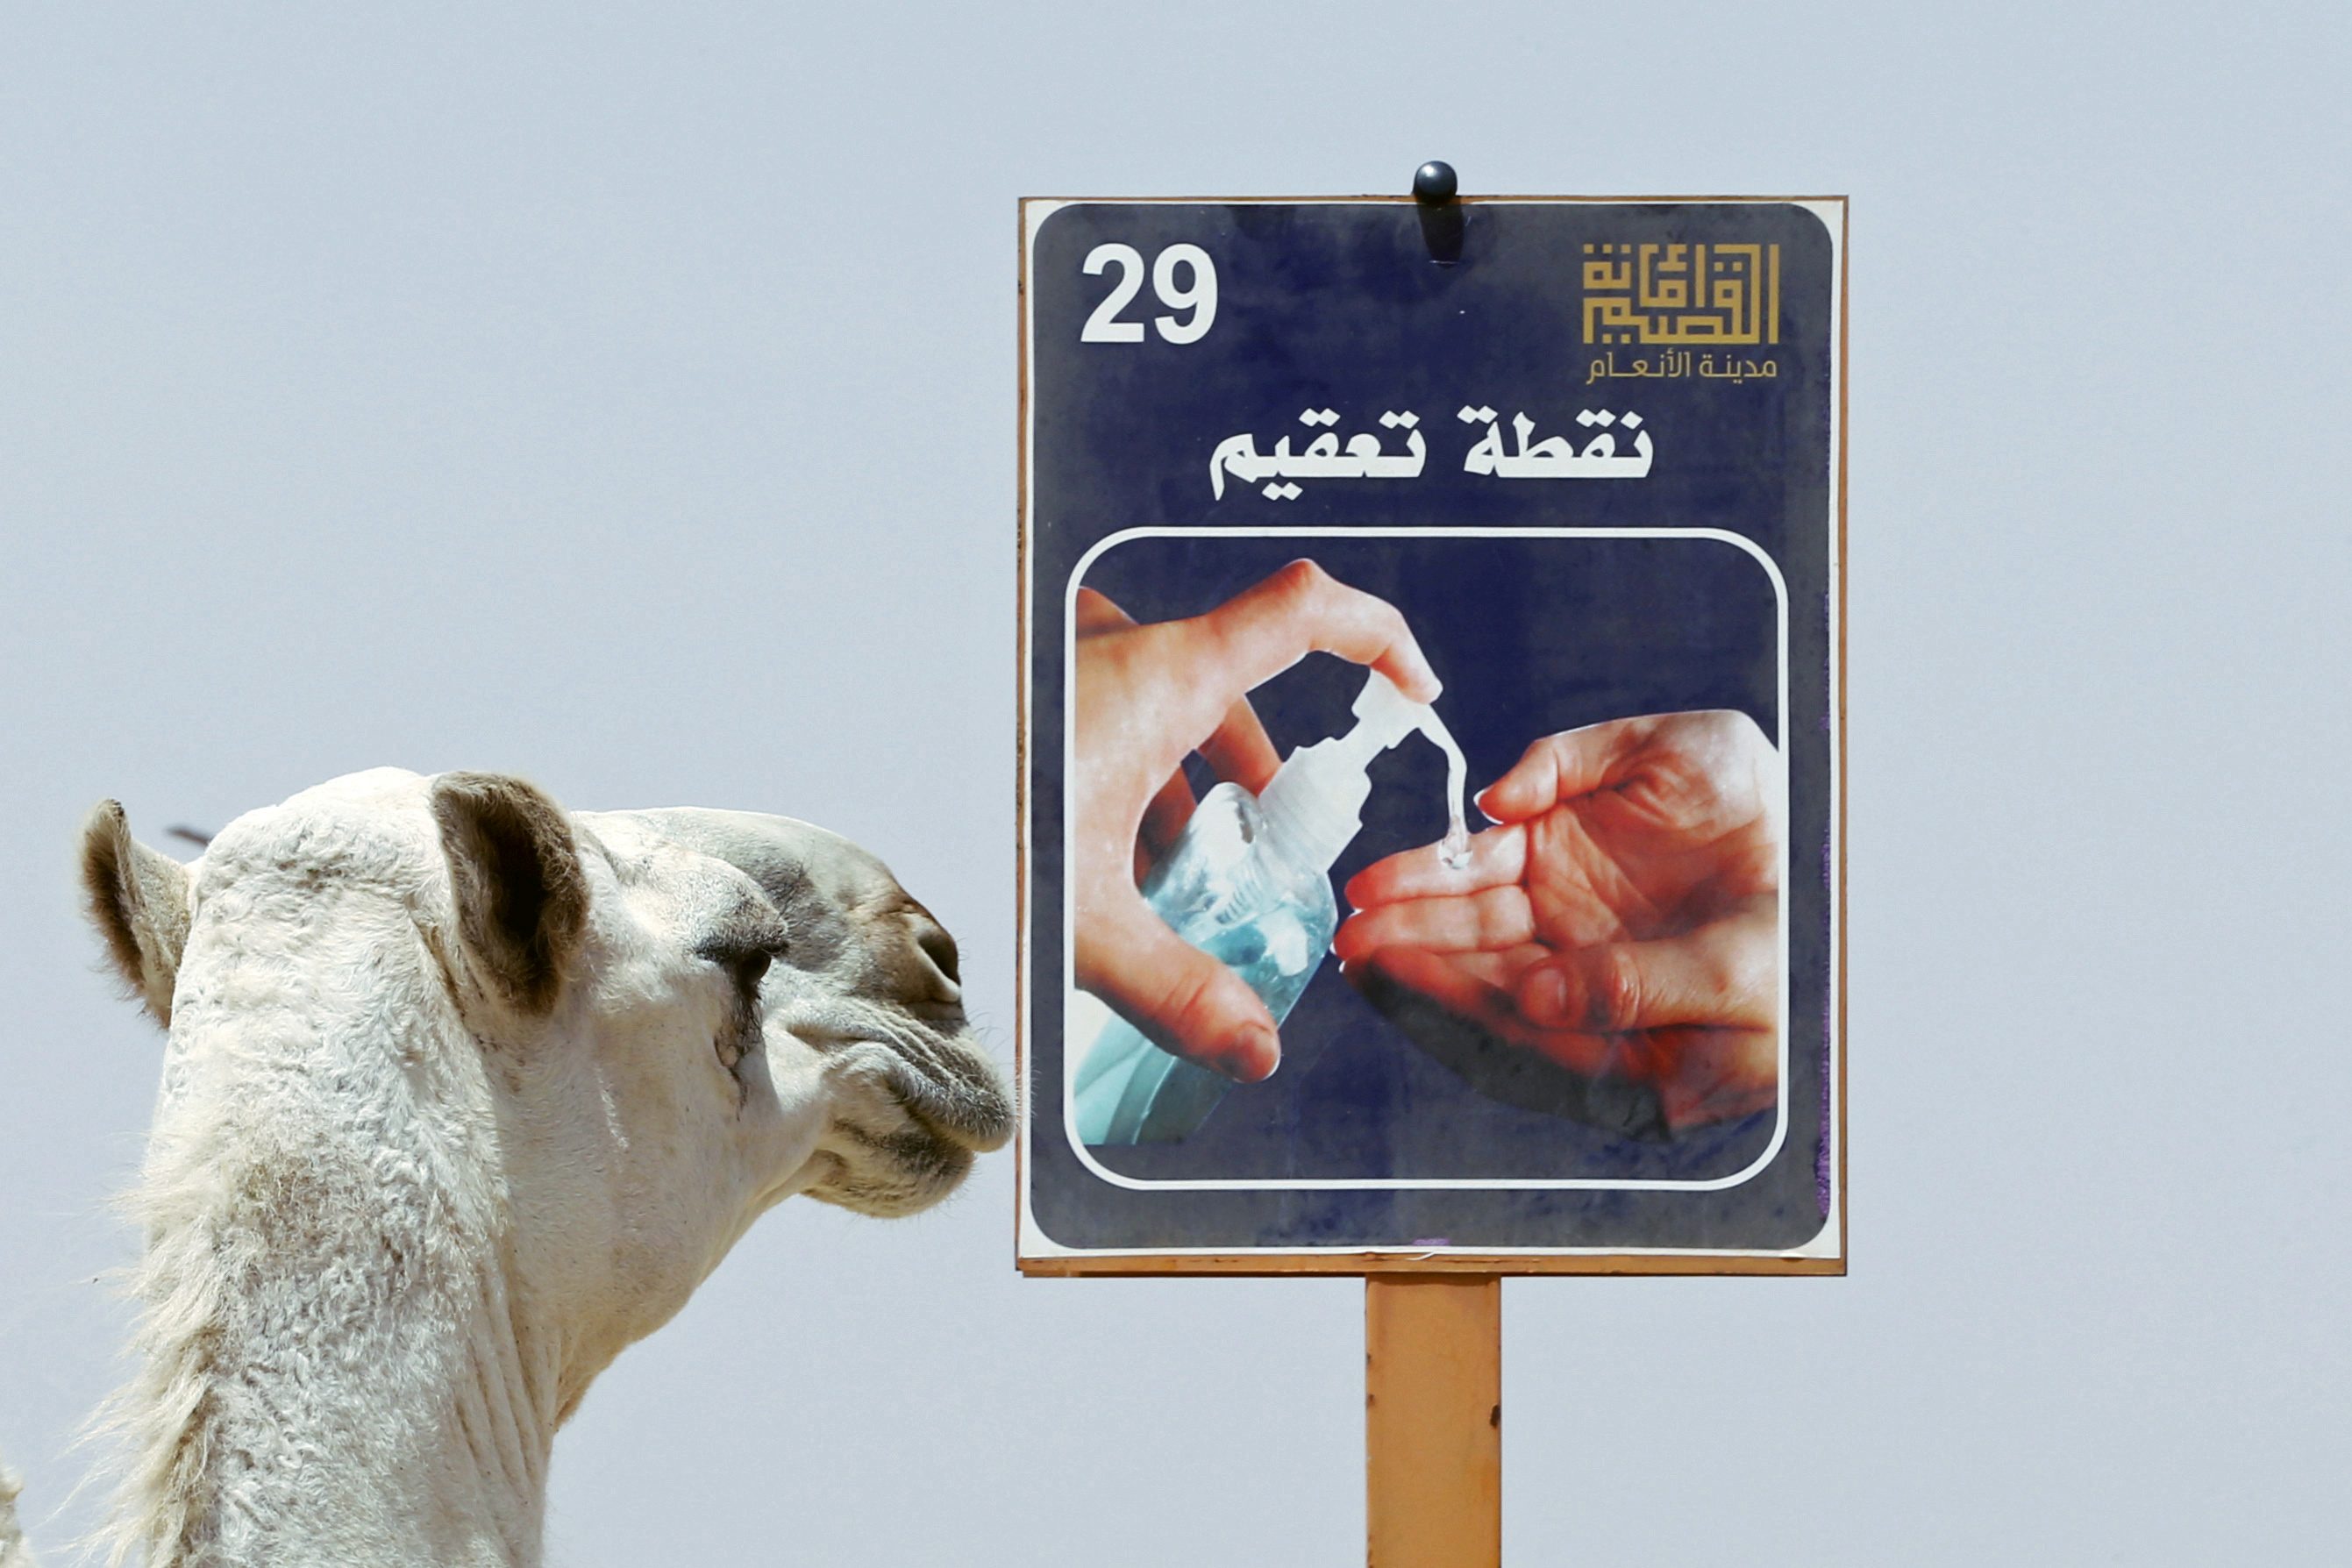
[{"x": 1622, "y": 921}]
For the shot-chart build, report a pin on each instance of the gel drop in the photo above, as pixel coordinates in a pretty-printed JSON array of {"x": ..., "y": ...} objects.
[{"x": 1249, "y": 883}]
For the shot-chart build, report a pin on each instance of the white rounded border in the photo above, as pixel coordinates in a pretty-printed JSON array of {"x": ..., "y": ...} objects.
[{"x": 1070, "y": 993}]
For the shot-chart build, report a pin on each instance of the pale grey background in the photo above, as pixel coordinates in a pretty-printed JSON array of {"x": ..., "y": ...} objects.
[{"x": 626, "y": 397}]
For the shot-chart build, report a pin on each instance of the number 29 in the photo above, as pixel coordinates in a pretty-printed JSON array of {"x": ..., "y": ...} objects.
[{"x": 1104, "y": 326}]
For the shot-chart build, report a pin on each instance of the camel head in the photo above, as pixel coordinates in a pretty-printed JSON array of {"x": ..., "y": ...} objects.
[{"x": 448, "y": 1067}]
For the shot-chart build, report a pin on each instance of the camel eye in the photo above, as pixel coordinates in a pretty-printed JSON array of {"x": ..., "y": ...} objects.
[
  {"x": 744, "y": 955},
  {"x": 747, "y": 966},
  {"x": 750, "y": 968}
]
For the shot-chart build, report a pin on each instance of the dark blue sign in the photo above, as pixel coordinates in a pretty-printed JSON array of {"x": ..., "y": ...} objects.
[{"x": 1575, "y": 462}]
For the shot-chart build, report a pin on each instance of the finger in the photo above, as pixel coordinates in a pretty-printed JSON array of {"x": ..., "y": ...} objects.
[
  {"x": 1723, "y": 974},
  {"x": 1479, "y": 987},
  {"x": 1182, "y": 1000},
  {"x": 1444, "y": 981},
  {"x": 1499, "y": 972},
  {"x": 1562, "y": 767},
  {"x": 1586, "y": 1054},
  {"x": 1717, "y": 1075},
  {"x": 1095, "y": 613},
  {"x": 1498, "y": 858},
  {"x": 1700, "y": 1075},
  {"x": 1239, "y": 750},
  {"x": 1488, "y": 921},
  {"x": 1301, "y": 609},
  {"x": 1500, "y": 968},
  {"x": 1164, "y": 820}
]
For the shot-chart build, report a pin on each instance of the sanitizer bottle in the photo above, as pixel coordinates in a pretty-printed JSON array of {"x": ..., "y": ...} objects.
[{"x": 1249, "y": 883}]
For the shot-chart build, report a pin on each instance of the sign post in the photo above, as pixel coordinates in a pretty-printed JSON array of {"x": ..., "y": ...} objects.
[
  {"x": 1432, "y": 632},
  {"x": 1433, "y": 1420}
]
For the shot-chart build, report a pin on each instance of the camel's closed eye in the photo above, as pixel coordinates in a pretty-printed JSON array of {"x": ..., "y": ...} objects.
[
  {"x": 749, "y": 968},
  {"x": 744, "y": 947},
  {"x": 745, "y": 956}
]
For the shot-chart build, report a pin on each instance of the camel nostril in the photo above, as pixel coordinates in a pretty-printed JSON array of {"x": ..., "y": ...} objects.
[{"x": 941, "y": 949}]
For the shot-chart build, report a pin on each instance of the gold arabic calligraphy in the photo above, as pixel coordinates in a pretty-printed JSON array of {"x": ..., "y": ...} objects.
[
  {"x": 1673, "y": 365},
  {"x": 1700, "y": 294}
]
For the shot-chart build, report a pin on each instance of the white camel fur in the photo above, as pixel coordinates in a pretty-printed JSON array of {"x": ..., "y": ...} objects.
[{"x": 462, "y": 1095}]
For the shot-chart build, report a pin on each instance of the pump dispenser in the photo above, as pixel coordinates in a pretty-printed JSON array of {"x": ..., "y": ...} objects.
[{"x": 1249, "y": 882}]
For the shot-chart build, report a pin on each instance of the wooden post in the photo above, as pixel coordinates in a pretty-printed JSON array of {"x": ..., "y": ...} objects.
[{"x": 1433, "y": 1420}]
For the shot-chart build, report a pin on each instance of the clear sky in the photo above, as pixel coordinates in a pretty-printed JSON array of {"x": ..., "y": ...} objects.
[{"x": 626, "y": 397}]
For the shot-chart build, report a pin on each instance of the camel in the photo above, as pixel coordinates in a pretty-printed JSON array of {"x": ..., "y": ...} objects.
[{"x": 463, "y": 1094}]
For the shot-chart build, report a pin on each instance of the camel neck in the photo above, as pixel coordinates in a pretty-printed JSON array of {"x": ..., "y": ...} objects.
[
  {"x": 425, "y": 1450},
  {"x": 334, "y": 1367}
]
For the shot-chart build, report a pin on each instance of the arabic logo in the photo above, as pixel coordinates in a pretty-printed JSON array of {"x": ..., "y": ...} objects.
[
  {"x": 1673, "y": 365},
  {"x": 1706, "y": 295}
]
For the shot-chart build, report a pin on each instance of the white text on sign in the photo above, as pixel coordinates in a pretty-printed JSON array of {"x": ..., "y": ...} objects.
[
  {"x": 1200, "y": 298},
  {"x": 1553, "y": 458}
]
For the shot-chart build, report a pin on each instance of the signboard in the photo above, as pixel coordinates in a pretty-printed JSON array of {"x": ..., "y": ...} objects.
[{"x": 1558, "y": 482}]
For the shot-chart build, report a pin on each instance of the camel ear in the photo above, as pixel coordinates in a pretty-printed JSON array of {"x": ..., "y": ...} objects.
[
  {"x": 138, "y": 899},
  {"x": 522, "y": 899}
]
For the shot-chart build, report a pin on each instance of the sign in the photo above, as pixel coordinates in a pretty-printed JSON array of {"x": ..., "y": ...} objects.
[{"x": 1540, "y": 499}]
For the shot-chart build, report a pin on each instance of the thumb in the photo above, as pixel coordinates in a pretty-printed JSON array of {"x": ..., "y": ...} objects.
[
  {"x": 1182, "y": 1000},
  {"x": 1560, "y": 767},
  {"x": 1720, "y": 975}
]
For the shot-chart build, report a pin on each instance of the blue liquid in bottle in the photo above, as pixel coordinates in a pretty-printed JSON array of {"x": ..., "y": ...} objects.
[
  {"x": 1230, "y": 888},
  {"x": 1249, "y": 883}
]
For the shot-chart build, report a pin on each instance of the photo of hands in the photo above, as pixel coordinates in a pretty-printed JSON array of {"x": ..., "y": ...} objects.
[{"x": 1286, "y": 960}]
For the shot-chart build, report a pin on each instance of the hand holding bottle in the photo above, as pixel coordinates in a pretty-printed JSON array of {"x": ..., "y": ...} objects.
[
  {"x": 1623, "y": 920},
  {"x": 1147, "y": 694}
]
